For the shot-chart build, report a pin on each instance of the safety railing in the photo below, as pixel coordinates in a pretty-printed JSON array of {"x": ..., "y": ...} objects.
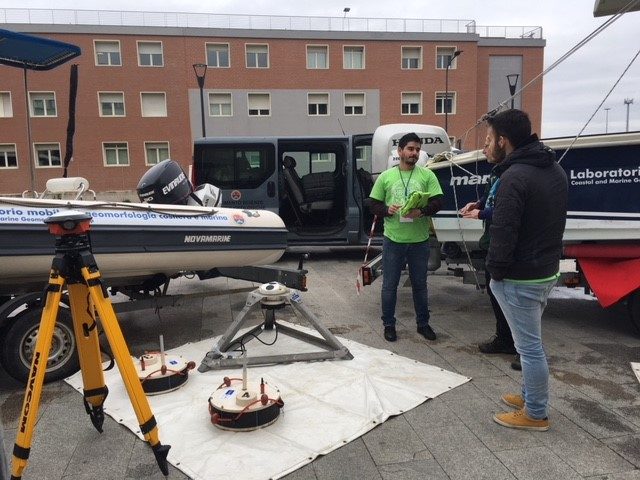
[{"x": 259, "y": 22}]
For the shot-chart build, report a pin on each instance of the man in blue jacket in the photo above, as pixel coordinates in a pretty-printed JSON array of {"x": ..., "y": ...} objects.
[
  {"x": 502, "y": 341},
  {"x": 525, "y": 247}
]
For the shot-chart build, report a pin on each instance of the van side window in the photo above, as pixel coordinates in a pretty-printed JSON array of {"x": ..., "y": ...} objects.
[
  {"x": 364, "y": 157},
  {"x": 323, "y": 162},
  {"x": 231, "y": 167}
]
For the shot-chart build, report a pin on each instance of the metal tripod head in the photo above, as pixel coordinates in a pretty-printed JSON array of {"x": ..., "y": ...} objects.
[
  {"x": 71, "y": 229},
  {"x": 69, "y": 222}
]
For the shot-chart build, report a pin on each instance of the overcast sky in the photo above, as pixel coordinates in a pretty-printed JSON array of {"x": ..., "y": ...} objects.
[{"x": 571, "y": 92}]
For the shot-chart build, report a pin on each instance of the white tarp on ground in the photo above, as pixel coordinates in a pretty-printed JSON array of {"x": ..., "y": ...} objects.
[
  {"x": 326, "y": 405},
  {"x": 635, "y": 366}
]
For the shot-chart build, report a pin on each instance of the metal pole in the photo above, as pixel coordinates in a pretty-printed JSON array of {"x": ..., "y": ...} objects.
[
  {"x": 446, "y": 90},
  {"x": 200, "y": 70},
  {"x": 606, "y": 119},
  {"x": 446, "y": 97},
  {"x": 32, "y": 172},
  {"x": 201, "y": 85},
  {"x": 628, "y": 102},
  {"x": 512, "y": 80}
]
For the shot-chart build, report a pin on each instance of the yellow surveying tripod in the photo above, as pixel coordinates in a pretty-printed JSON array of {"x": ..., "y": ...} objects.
[{"x": 75, "y": 266}]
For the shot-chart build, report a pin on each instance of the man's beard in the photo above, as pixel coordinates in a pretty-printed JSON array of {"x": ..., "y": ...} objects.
[
  {"x": 498, "y": 154},
  {"x": 410, "y": 160}
]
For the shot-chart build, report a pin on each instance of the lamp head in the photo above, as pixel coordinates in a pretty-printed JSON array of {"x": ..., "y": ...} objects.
[
  {"x": 200, "y": 70},
  {"x": 512, "y": 78}
]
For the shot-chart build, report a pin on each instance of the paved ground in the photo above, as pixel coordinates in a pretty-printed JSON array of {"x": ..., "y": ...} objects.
[{"x": 595, "y": 406}]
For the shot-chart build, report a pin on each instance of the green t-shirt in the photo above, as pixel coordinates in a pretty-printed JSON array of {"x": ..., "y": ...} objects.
[{"x": 394, "y": 186}]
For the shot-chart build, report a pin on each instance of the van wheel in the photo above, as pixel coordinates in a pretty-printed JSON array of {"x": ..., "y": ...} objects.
[{"x": 19, "y": 342}]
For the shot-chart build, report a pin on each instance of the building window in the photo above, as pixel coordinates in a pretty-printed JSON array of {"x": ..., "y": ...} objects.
[
  {"x": 153, "y": 104},
  {"x": 47, "y": 154},
  {"x": 220, "y": 105},
  {"x": 445, "y": 103},
  {"x": 354, "y": 103},
  {"x": 107, "y": 53},
  {"x": 115, "y": 154},
  {"x": 444, "y": 56},
  {"x": 6, "y": 110},
  {"x": 411, "y": 58},
  {"x": 43, "y": 104},
  {"x": 150, "y": 54},
  {"x": 218, "y": 55},
  {"x": 155, "y": 152},
  {"x": 353, "y": 57},
  {"x": 411, "y": 103},
  {"x": 317, "y": 56},
  {"x": 111, "y": 104},
  {"x": 318, "y": 103},
  {"x": 8, "y": 157},
  {"x": 259, "y": 104},
  {"x": 257, "y": 56}
]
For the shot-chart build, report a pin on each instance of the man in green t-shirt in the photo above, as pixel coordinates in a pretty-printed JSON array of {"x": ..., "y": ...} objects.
[{"x": 406, "y": 238}]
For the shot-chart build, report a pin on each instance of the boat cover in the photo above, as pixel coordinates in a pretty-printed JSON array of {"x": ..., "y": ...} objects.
[
  {"x": 613, "y": 271},
  {"x": 34, "y": 53}
]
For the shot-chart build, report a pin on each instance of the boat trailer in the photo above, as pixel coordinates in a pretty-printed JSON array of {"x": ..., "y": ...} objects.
[{"x": 20, "y": 314}]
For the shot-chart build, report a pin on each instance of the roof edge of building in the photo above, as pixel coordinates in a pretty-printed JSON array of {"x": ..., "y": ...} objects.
[{"x": 272, "y": 34}]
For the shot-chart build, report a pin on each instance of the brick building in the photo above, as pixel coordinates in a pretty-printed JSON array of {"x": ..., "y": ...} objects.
[{"x": 138, "y": 96}]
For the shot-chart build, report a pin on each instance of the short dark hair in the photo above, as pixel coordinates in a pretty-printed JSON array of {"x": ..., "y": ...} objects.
[
  {"x": 409, "y": 137},
  {"x": 513, "y": 124}
]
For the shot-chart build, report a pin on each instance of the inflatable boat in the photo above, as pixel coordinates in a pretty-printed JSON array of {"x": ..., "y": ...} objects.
[
  {"x": 173, "y": 230},
  {"x": 132, "y": 241}
]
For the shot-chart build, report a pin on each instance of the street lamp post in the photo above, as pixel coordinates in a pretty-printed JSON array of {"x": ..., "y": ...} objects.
[
  {"x": 345, "y": 10},
  {"x": 446, "y": 90},
  {"x": 200, "y": 70},
  {"x": 513, "y": 83},
  {"x": 628, "y": 102},
  {"x": 606, "y": 119}
]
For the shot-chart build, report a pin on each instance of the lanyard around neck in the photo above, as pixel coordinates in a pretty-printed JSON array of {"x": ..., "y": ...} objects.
[{"x": 405, "y": 185}]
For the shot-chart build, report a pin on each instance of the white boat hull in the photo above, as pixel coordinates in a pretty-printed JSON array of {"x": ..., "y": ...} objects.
[
  {"x": 603, "y": 172},
  {"x": 451, "y": 229},
  {"x": 134, "y": 241}
]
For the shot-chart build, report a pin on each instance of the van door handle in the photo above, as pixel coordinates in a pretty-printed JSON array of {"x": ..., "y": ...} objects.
[{"x": 271, "y": 189}]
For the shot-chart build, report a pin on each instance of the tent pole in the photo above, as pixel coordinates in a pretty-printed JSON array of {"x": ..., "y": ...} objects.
[{"x": 32, "y": 172}]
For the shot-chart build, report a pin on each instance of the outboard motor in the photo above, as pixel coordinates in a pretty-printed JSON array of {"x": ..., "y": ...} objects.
[{"x": 165, "y": 183}]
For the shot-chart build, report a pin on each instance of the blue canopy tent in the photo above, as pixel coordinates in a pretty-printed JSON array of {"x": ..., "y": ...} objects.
[
  {"x": 34, "y": 53},
  {"x": 37, "y": 53}
]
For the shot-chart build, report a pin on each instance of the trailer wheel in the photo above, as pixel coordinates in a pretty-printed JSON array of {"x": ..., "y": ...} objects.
[
  {"x": 19, "y": 340},
  {"x": 633, "y": 303}
]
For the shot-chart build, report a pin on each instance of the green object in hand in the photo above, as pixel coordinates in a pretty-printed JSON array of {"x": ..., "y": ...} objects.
[{"x": 415, "y": 200}]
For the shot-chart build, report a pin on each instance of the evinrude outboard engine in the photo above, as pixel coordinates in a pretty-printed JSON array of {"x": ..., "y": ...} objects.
[{"x": 165, "y": 183}]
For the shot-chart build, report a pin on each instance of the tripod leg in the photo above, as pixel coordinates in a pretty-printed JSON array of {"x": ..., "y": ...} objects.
[
  {"x": 32, "y": 394},
  {"x": 86, "y": 333},
  {"x": 139, "y": 401}
]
